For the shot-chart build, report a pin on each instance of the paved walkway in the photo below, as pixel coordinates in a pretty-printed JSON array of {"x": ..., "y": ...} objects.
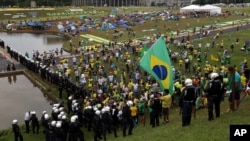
[{"x": 5, "y": 59}]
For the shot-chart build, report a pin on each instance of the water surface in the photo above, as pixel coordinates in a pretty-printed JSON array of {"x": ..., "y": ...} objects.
[
  {"x": 18, "y": 95},
  {"x": 23, "y": 42}
]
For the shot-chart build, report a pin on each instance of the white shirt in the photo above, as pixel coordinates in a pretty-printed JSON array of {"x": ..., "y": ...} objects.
[
  {"x": 74, "y": 59},
  {"x": 26, "y": 116}
]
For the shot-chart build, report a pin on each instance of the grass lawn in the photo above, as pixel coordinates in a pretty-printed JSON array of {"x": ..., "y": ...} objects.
[{"x": 200, "y": 128}]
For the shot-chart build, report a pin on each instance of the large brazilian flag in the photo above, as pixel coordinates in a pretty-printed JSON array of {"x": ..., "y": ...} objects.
[{"x": 156, "y": 62}]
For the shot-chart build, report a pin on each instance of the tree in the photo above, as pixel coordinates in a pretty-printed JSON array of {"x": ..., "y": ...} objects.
[{"x": 152, "y": 3}]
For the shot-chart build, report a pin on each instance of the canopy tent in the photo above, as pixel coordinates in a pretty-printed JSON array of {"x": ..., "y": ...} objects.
[
  {"x": 189, "y": 8},
  {"x": 207, "y": 8},
  {"x": 213, "y": 10}
]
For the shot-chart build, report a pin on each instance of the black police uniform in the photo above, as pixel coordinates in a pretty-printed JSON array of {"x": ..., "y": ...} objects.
[
  {"x": 188, "y": 99},
  {"x": 127, "y": 121},
  {"x": 17, "y": 133},
  {"x": 214, "y": 93}
]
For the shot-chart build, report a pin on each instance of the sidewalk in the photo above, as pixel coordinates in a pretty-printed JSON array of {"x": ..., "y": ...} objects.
[{"x": 5, "y": 59}]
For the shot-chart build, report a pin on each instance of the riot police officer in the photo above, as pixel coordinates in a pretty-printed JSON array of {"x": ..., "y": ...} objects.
[
  {"x": 188, "y": 97},
  {"x": 16, "y": 130},
  {"x": 127, "y": 121},
  {"x": 34, "y": 122},
  {"x": 214, "y": 93}
]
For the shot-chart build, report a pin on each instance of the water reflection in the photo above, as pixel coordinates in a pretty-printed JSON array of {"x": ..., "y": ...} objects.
[
  {"x": 14, "y": 78},
  {"x": 23, "y": 42},
  {"x": 17, "y": 97},
  {"x": 9, "y": 79}
]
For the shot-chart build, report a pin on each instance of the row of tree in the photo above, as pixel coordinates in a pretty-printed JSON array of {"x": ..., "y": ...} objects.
[{"x": 26, "y": 3}]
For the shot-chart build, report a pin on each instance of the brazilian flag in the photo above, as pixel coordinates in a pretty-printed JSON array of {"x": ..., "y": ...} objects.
[{"x": 156, "y": 62}]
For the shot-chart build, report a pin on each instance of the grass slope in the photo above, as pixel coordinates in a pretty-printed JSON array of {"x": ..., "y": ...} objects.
[{"x": 200, "y": 128}]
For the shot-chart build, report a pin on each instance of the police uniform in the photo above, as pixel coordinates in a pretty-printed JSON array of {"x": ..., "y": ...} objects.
[
  {"x": 16, "y": 130},
  {"x": 188, "y": 99},
  {"x": 214, "y": 90}
]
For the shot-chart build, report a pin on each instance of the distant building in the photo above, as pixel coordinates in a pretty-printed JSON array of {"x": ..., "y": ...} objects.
[{"x": 32, "y": 4}]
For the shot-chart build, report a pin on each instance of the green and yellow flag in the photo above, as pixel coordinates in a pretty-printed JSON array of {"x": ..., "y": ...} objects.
[
  {"x": 214, "y": 58},
  {"x": 157, "y": 63}
]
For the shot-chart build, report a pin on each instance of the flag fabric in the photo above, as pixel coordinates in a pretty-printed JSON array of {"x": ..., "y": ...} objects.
[
  {"x": 143, "y": 51},
  {"x": 214, "y": 58},
  {"x": 157, "y": 63}
]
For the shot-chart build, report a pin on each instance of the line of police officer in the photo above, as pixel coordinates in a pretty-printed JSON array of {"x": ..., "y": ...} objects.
[
  {"x": 48, "y": 74},
  {"x": 52, "y": 130}
]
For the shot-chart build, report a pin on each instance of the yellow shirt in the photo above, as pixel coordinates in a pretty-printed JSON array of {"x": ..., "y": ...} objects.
[
  {"x": 166, "y": 101},
  {"x": 180, "y": 62},
  {"x": 243, "y": 81},
  {"x": 133, "y": 111}
]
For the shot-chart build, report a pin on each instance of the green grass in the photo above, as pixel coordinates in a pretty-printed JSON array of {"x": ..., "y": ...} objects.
[{"x": 200, "y": 128}]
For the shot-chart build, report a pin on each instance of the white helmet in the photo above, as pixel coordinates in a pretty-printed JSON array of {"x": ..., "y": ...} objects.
[
  {"x": 152, "y": 96},
  {"x": 70, "y": 97},
  {"x": 73, "y": 119},
  {"x": 53, "y": 108},
  {"x": 59, "y": 116},
  {"x": 107, "y": 108},
  {"x": 53, "y": 123},
  {"x": 61, "y": 109},
  {"x": 44, "y": 112},
  {"x": 95, "y": 109},
  {"x": 56, "y": 105},
  {"x": 62, "y": 113},
  {"x": 56, "y": 110},
  {"x": 33, "y": 112},
  {"x": 76, "y": 116},
  {"x": 89, "y": 107},
  {"x": 188, "y": 82},
  {"x": 214, "y": 75},
  {"x": 14, "y": 121},
  {"x": 64, "y": 117},
  {"x": 46, "y": 116},
  {"x": 103, "y": 110},
  {"x": 98, "y": 112},
  {"x": 58, "y": 124},
  {"x": 129, "y": 103},
  {"x": 74, "y": 101},
  {"x": 75, "y": 104}
]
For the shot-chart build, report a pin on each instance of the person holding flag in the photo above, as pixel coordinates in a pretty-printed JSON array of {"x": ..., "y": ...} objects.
[{"x": 157, "y": 63}]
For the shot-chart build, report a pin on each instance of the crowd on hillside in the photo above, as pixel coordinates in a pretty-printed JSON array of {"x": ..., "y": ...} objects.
[{"x": 107, "y": 90}]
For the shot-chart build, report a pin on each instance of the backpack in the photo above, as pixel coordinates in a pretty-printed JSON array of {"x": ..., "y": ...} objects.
[{"x": 215, "y": 88}]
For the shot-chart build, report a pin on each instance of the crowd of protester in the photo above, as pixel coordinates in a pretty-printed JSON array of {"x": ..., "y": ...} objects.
[{"x": 106, "y": 90}]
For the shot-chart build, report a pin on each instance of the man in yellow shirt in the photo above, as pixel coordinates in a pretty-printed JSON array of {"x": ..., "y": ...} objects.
[
  {"x": 166, "y": 103},
  {"x": 134, "y": 114}
]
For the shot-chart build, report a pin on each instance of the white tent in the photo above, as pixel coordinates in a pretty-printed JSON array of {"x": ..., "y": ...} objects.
[
  {"x": 189, "y": 8},
  {"x": 214, "y": 10},
  {"x": 208, "y": 8}
]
